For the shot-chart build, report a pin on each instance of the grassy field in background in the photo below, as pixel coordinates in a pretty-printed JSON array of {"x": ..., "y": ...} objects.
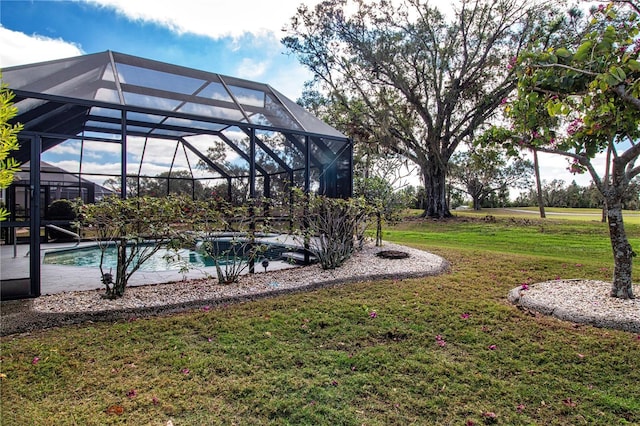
[
  {"x": 446, "y": 350},
  {"x": 553, "y": 213},
  {"x": 494, "y": 230}
]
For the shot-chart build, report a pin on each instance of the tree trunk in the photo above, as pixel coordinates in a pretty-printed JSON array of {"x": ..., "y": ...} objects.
[
  {"x": 605, "y": 183},
  {"x": 476, "y": 202},
  {"x": 622, "y": 254},
  {"x": 474, "y": 188},
  {"x": 536, "y": 168},
  {"x": 434, "y": 176},
  {"x": 121, "y": 269}
]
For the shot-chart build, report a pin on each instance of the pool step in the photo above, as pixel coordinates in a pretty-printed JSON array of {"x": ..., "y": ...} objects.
[{"x": 298, "y": 257}]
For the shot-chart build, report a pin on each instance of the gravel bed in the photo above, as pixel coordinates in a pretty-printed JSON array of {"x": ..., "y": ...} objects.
[
  {"x": 579, "y": 301},
  {"x": 82, "y": 306}
]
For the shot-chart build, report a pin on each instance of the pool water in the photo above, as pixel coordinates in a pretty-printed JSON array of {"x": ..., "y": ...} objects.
[{"x": 90, "y": 257}]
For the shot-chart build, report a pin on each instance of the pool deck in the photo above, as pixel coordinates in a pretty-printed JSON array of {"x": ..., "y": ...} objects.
[{"x": 58, "y": 278}]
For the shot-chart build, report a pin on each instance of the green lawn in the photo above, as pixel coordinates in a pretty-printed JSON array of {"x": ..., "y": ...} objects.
[
  {"x": 553, "y": 213},
  {"x": 573, "y": 240},
  {"x": 440, "y": 350}
]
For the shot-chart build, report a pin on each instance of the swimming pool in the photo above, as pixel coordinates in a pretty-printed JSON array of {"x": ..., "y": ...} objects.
[
  {"x": 89, "y": 257},
  {"x": 162, "y": 260}
]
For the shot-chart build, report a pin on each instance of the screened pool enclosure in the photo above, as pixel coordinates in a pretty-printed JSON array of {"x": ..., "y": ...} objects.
[{"x": 142, "y": 127}]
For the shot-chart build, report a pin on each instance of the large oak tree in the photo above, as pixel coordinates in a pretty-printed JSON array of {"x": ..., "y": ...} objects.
[{"x": 410, "y": 77}]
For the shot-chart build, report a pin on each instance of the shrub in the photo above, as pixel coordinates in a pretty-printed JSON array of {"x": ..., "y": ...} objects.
[
  {"x": 139, "y": 227},
  {"x": 241, "y": 253},
  {"x": 61, "y": 210},
  {"x": 335, "y": 228}
]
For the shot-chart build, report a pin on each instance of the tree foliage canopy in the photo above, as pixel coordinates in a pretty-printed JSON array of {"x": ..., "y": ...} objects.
[
  {"x": 579, "y": 96},
  {"x": 410, "y": 78},
  {"x": 481, "y": 172}
]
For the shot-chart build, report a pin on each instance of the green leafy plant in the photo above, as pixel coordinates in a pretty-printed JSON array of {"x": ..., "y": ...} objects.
[
  {"x": 138, "y": 227},
  {"x": 240, "y": 254},
  {"x": 230, "y": 238},
  {"x": 334, "y": 228},
  {"x": 8, "y": 140},
  {"x": 579, "y": 96},
  {"x": 383, "y": 201}
]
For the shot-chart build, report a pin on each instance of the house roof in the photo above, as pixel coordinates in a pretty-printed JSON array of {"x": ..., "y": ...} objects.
[{"x": 51, "y": 174}]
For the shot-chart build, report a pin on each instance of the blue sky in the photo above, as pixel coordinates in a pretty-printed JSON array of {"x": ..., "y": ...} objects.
[{"x": 240, "y": 38}]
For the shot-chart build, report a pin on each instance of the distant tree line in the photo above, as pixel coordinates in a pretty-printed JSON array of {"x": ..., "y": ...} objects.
[{"x": 558, "y": 194}]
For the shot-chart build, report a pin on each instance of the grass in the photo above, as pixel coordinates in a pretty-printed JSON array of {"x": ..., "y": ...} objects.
[
  {"x": 554, "y": 213},
  {"x": 321, "y": 358},
  {"x": 572, "y": 240}
]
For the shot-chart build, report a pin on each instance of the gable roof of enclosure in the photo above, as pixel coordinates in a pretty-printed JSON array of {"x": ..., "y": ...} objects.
[{"x": 110, "y": 95}]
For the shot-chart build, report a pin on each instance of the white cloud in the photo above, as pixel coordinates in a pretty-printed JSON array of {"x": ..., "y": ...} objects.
[
  {"x": 100, "y": 149},
  {"x": 211, "y": 18},
  {"x": 251, "y": 69},
  {"x": 19, "y": 48},
  {"x": 290, "y": 83},
  {"x": 66, "y": 148},
  {"x": 90, "y": 149},
  {"x": 223, "y": 18},
  {"x": 554, "y": 166}
]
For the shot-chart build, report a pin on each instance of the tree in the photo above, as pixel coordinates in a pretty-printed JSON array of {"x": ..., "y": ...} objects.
[
  {"x": 139, "y": 227},
  {"x": 575, "y": 196},
  {"x": 481, "y": 172},
  {"x": 384, "y": 202},
  {"x": 536, "y": 169},
  {"x": 8, "y": 142},
  {"x": 554, "y": 193},
  {"x": 179, "y": 182},
  {"x": 631, "y": 199},
  {"x": 114, "y": 184},
  {"x": 409, "y": 78},
  {"x": 580, "y": 96}
]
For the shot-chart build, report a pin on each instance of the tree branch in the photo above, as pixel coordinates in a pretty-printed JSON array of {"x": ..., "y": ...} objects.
[
  {"x": 631, "y": 154},
  {"x": 622, "y": 93},
  {"x": 556, "y": 93},
  {"x": 581, "y": 158},
  {"x": 568, "y": 67}
]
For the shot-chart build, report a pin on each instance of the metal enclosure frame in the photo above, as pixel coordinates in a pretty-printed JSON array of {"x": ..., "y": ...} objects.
[{"x": 129, "y": 109}]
